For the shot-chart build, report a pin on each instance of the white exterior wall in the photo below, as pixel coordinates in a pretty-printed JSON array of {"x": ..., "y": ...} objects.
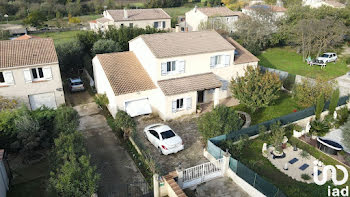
[
  {"x": 169, "y": 114},
  {"x": 21, "y": 90},
  {"x": 194, "y": 18},
  {"x": 144, "y": 23}
]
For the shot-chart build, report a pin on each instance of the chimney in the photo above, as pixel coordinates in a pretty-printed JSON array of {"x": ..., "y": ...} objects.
[
  {"x": 195, "y": 8},
  {"x": 125, "y": 13}
]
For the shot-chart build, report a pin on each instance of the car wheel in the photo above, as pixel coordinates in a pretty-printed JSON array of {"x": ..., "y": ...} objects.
[{"x": 160, "y": 151}]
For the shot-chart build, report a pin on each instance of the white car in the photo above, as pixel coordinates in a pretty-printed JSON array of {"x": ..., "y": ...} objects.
[
  {"x": 164, "y": 138},
  {"x": 328, "y": 57}
]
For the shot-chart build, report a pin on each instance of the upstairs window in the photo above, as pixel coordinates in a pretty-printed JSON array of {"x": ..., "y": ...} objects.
[
  {"x": 2, "y": 79},
  {"x": 171, "y": 66},
  {"x": 219, "y": 61},
  {"x": 37, "y": 73}
]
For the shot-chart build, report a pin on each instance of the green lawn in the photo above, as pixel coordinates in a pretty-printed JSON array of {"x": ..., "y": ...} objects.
[
  {"x": 287, "y": 59},
  {"x": 283, "y": 106},
  {"x": 59, "y": 37},
  {"x": 252, "y": 157},
  {"x": 178, "y": 11}
]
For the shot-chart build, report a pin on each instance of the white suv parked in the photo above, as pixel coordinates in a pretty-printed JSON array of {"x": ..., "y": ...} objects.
[
  {"x": 328, "y": 57},
  {"x": 164, "y": 138}
]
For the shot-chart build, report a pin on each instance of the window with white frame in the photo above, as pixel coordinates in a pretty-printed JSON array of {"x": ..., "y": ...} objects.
[
  {"x": 37, "y": 73},
  {"x": 2, "y": 79},
  {"x": 171, "y": 66},
  {"x": 179, "y": 103},
  {"x": 219, "y": 61}
]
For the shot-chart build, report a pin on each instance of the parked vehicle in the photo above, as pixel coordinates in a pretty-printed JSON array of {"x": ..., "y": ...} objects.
[
  {"x": 76, "y": 84},
  {"x": 164, "y": 138},
  {"x": 328, "y": 57}
]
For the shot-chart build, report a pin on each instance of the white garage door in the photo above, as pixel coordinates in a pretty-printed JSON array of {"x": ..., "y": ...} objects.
[
  {"x": 46, "y": 99},
  {"x": 138, "y": 107}
]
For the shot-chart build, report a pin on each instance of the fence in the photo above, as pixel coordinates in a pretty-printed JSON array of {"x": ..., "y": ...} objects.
[{"x": 244, "y": 172}]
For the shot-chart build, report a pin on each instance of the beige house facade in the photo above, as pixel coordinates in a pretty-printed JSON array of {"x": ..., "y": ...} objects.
[
  {"x": 170, "y": 73},
  {"x": 29, "y": 72},
  {"x": 197, "y": 17},
  {"x": 141, "y": 18}
]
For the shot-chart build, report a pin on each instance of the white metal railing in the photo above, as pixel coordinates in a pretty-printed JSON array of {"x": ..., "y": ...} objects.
[{"x": 201, "y": 173}]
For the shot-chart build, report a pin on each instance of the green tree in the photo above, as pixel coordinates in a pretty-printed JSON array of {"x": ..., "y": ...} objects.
[
  {"x": 256, "y": 89},
  {"x": 35, "y": 19},
  {"x": 277, "y": 135},
  {"x": 124, "y": 122},
  {"x": 105, "y": 46},
  {"x": 308, "y": 91},
  {"x": 319, "y": 106},
  {"x": 334, "y": 101},
  {"x": 222, "y": 120},
  {"x": 70, "y": 55},
  {"x": 4, "y": 34}
]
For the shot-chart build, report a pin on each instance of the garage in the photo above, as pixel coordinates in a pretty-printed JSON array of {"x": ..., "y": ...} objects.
[
  {"x": 138, "y": 107},
  {"x": 45, "y": 99}
]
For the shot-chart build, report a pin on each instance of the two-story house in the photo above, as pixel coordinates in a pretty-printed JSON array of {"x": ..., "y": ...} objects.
[
  {"x": 29, "y": 72},
  {"x": 170, "y": 73},
  {"x": 211, "y": 15},
  {"x": 278, "y": 11},
  {"x": 141, "y": 18}
]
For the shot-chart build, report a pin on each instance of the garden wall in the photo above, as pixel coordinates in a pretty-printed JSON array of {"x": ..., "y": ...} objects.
[{"x": 245, "y": 173}]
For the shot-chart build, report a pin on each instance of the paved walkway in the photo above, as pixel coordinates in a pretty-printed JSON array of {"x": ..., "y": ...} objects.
[
  {"x": 223, "y": 187},
  {"x": 113, "y": 162}
]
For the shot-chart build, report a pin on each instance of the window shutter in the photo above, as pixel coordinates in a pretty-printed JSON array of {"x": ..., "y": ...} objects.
[
  {"x": 174, "y": 106},
  {"x": 227, "y": 60},
  {"x": 47, "y": 72},
  {"x": 27, "y": 75},
  {"x": 189, "y": 103},
  {"x": 163, "y": 24},
  {"x": 8, "y": 78},
  {"x": 164, "y": 69},
  {"x": 212, "y": 62},
  {"x": 180, "y": 66}
]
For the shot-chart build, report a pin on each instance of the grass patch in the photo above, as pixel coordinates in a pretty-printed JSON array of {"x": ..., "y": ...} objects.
[
  {"x": 178, "y": 11},
  {"x": 252, "y": 157},
  {"x": 59, "y": 37},
  {"x": 283, "y": 106},
  {"x": 287, "y": 59}
]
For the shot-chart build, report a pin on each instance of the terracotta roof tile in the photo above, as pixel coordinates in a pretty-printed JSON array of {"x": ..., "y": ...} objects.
[
  {"x": 139, "y": 14},
  {"x": 185, "y": 43},
  {"x": 125, "y": 73},
  {"x": 218, "y": 11},
  {"x": 14, "y": 53},
  {"x": 189, "y": 84},
  {"x": 244, "y": 56},
  {"x": 103, "y": 20}
]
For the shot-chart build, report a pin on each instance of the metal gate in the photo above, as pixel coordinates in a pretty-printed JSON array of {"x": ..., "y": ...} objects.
[{"x": 202, "y": 173}]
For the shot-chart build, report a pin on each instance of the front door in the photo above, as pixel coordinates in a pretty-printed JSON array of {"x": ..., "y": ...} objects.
[{"x": 200, "y": 96}]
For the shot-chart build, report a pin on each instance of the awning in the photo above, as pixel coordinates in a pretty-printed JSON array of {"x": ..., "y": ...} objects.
[{"x": 138, "y": 107}]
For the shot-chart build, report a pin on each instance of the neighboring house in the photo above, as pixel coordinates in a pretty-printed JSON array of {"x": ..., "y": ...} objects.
[
  {"x": 319, "y": 3},
  {"x": 26, "y": 37},
  {"x": 214, "y": 15},
  {"x": 141, "y": 18},
  {"x": 278, "y": 11},
  {"x": 29, "y": 72},
  {"x": 170, "y": 73}
]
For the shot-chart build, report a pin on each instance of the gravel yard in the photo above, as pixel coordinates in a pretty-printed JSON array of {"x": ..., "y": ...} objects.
[{"x": 186, "y": 128}]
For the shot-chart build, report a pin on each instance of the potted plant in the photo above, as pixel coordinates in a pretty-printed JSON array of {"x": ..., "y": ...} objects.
[{"x": 198, "y": 109}]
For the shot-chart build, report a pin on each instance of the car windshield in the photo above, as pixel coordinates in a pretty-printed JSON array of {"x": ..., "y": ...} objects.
[
  {"x": 77, "y": 83},
  {"x": 325, "y": 55},
  {"x": 167, "y": 134}
]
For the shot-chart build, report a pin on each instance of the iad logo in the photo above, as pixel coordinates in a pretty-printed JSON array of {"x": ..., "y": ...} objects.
[{"x": 324, "y": 176}]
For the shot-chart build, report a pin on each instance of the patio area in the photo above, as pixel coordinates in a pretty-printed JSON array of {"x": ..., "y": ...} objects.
[
  {"x": 229, "y": 102},
  {"x": 297, "y": 165}
]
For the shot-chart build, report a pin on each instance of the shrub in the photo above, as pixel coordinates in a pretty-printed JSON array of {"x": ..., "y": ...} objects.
[
  {"x": 101, "y": 100},
  {"x": 277, "y": 135},
  {"x": 304, "y": 154},
  {"x": 343, "y": 114},
  {"x": 6, "y": 103},
  {"x": 306, "y": 177},
  {"x": 256, "y": 89},
  {"x": 347, "y": 60},
  {"x": 105, "y": 46},
  {"x": 334, "y": 101},
  {"x": 346, "y": 134},
  {"x": 125, "y": 123},
  {"x": 69, "y": 55},
  {"x": 222, "y": 120},
  {"x": 262, "y": 132},
  {"x": 289, "y": 82},
  {"x": 307, "y": 92},
  {"x": 319, "y": 127},
  {"x": 66, "y": 120},
  {"x": 319, "y": 106}
]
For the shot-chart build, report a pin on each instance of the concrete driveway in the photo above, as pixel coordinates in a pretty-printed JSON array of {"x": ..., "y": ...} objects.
[
  {"x": 113, "y": 162},
  {"x": 344, "y": 84}
]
